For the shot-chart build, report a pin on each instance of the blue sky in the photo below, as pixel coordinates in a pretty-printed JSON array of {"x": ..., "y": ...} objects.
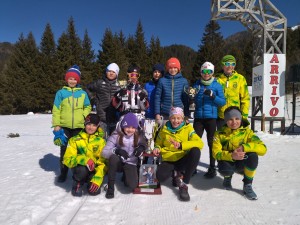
[{"x": 173, "y": 21}]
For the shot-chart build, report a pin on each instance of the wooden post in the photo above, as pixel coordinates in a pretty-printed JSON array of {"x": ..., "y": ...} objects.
[{"x": 263, "y": 123}]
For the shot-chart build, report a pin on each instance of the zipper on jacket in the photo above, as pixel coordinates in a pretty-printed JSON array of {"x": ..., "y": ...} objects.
[
  {"x": 72, "y": 109},
  {"x": 172, "y": 97}
]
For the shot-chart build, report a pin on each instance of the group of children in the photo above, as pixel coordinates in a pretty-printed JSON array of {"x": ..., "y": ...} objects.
[{"x": 93, "y": 145}]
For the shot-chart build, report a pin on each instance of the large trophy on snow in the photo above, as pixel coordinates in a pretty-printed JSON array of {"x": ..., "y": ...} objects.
[{"x": 191, "y": 92}]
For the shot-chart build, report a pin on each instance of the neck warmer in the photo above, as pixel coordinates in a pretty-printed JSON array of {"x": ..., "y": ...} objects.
[{"x": 207, "y": 82}]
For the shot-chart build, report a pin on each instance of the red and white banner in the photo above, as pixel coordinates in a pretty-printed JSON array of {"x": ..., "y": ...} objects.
[{"x": 274, "y": 85}]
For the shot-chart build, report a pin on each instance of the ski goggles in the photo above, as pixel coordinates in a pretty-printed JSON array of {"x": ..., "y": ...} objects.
[
  {"x": 229, "y": 63},
  {"x": 206, "y": 71}
]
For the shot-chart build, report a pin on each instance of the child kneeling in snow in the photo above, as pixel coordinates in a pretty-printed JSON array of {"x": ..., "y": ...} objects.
[
  {"x": 83, "y": 156},
  {"x": 179, "y": 146},
  {"x": 123, "y": 148},
  {"x": 236, "y": 148}
]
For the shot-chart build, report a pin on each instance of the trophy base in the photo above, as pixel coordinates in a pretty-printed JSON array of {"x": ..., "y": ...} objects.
[{"x": 148, "y": 191}]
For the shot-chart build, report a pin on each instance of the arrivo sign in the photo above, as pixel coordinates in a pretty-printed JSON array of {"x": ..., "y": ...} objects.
[{"x": 274, "y": 85}]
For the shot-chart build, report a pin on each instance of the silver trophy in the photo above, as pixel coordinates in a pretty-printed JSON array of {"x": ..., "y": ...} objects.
[{"x": 148, "y": 132}]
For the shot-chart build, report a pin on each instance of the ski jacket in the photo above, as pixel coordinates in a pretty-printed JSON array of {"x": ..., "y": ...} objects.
[
  {"x": 205, "y": 106},
  {"x": 71, "y": 106},
  {"x": 170, "y": 92},
  {"x": 128, "y": 141},
  {"x": 227, "y": 140},
  {"x": 131, "y": 102},
  {"x": 236, "y": 93},
  {"x": 150, "y": 87},
  {"x": 83, "y": 147},
  {"x": 104, "y": 90},
  {"x": 186, "y": 135}
]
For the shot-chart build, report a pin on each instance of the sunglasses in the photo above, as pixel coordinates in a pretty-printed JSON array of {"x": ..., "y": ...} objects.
[
  {"x": 206, "y": 71},
  {"x": 229, "y": 64},
  {"x": 133, "y": 75}
]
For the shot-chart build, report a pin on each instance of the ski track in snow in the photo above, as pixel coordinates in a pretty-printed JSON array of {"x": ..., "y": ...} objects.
[{"x": 69, "y": 205}]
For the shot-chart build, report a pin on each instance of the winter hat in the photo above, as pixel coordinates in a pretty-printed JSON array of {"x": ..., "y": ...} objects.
[
  {"x": 176, "y": 111},
  {"x": 133, "y": 69},
  {"x": 113, "y": 67},
  {"x": 73, "y": 72},
  {"x": 232, "y": 112},
  {"x": 159, "y": 67},
  {"x": 208, "y": 66},
  {"x": 92, "y": 118},
  {"x": 173, "y": 62},
  {"x": 228, "y": 58},
  {"x": 130, "y": 120}
]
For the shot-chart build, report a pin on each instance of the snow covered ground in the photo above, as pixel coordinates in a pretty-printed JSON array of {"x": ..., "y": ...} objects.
[{"x": 30, "y": 195}]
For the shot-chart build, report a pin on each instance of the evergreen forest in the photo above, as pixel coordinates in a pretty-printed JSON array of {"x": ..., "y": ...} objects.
[{"x": 32, "y": 72}]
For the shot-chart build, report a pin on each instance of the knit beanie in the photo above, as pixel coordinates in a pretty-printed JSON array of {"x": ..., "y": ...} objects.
[
  {"x": 130, "y": 120},
  {"x": 159, "y": 67},
  {"x": 208, "y": 66},
  {"x": 173, "y": 62},
  {"x": 92, "y": 118},
  {"x": 113, "y": 67},
  {"x": 228, "y": 58},
  {"x": 133, "y": 69},
  {"x": 176, "y": 111},
  {"x": 73, "y": 72},
  {"x": 232, "y": 113}
]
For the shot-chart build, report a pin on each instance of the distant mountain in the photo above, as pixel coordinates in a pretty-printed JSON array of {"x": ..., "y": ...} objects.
[
  {"x": 185, "y": 54},
  {"x": 238, "y": 39}
]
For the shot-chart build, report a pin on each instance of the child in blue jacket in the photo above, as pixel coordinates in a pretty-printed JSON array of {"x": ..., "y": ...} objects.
[{"x": 210, "y": 96}]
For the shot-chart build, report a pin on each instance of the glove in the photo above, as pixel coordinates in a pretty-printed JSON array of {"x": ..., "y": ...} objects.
[
  {"x": 138, "y": 151},
  {"x": 210, "y": 93},
  {"x": 130, "y": 86},
  {"x": 142, "y": 95},
  {"x": 60, "y": 139},
  {"x": 122, "y": 153},
  {"x": 123, "y": 92},
  {"x": 93, "y": 187},
  {"x": 90, "y": 165}
]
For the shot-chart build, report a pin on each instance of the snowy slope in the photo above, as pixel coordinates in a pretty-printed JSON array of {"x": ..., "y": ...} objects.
[{"x": 29, "y": 194}]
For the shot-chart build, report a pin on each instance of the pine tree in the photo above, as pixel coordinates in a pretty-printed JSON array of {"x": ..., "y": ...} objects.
[
  {"x": 69, "y": 48},
  {"x": 22, "y": 75},
  {"x": 155, "y": 52},
  {"x": 113, "y": 51},
  {"x": 140, "y": 56},
  {"x": 88, "y": 69},
  {"x": 211, "y": 48},
  {"x": 108, "y": 53}
]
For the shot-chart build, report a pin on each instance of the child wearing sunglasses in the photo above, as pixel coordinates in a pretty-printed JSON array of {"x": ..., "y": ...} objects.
[
  {"x": 237, "y": 147},
  {"x": 209, "y": 97},
  {"x": 133, "y": 97},
  {"x": 235, "y": 89}
]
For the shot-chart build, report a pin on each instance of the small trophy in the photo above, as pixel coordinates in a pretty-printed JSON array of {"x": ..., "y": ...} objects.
[{"x": 191, "y": 92}]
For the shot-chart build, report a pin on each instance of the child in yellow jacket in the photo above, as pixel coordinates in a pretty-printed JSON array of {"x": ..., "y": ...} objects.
[
  {"x": 236, "y": 148},
  {"x": 179, "y": 146},
  {"x": 83, "y": 156}
]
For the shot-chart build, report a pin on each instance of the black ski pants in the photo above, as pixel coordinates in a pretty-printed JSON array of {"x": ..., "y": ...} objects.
[
  {"x": 188, "y": 164},
  {"x": 227, "y": 168},
  {"x": 130, "y": 172},
  {"x": 209, "y": 125}
]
